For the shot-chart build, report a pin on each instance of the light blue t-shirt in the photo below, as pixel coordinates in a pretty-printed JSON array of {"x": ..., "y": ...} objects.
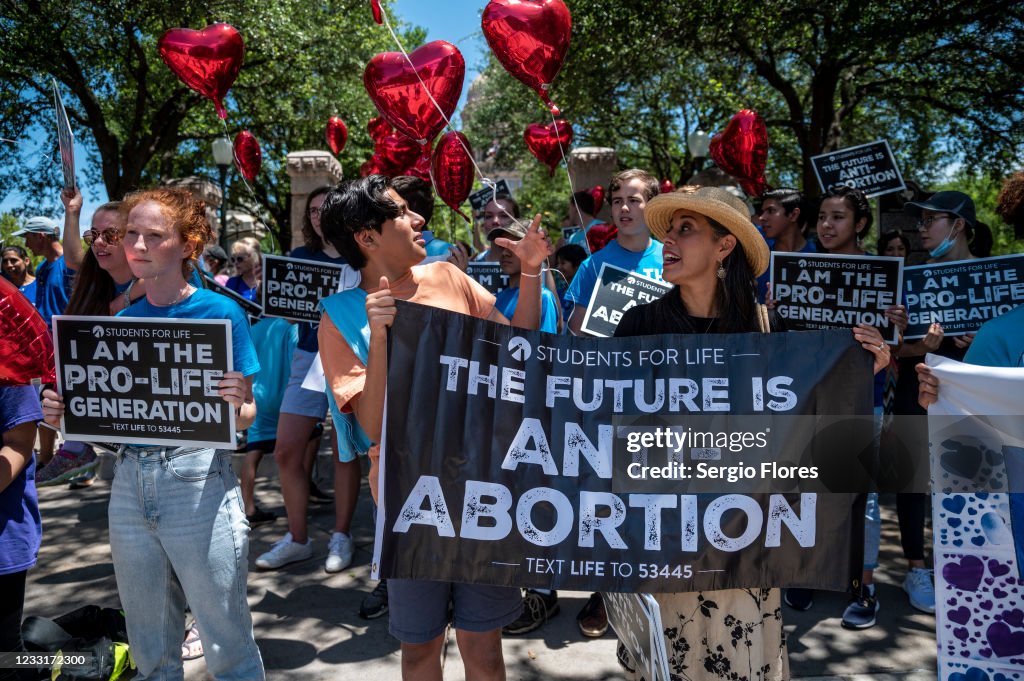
[
  {"x": 54, "y": 282},
  {"x": 435, "y": 246},
  {"x": 507, "y": 299},
  {"x": 275, "y": 340},
  {"x": 205, "y": 304},
  {"x": 647, "y": 263},
  {"x": 1000, "y": 341}
]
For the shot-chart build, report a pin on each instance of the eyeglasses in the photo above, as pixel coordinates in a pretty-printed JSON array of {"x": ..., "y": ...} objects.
[
  {"x": 111, "y": 236},
  {"x": 926, "y": 223}
]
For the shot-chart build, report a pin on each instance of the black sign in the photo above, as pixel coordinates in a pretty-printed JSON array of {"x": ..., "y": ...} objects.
[
  {"x": 488, "y": 274},
  {"x": 502, "y": 458},
  {"x": 636, "y": 619},
  {"x": 250, "y": 308},
  {"x": 144, "y": 380},
  {"x": 868, "y": 167},
  {"x": 569, "y": 232},
  {"x": 481, "y": 197},
  {"x": 823, "y": 291},
  {"x": 293, "y": 288},
  {"x": 962, "y": 295},
  {"x": 65, "y": 139},
  {"x": 616, "y": 291}
]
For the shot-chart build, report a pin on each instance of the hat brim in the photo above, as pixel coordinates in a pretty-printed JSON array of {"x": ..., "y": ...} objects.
[
  {"x": 21, "y": 232},
  {"x": 499, "y": 232},
  {"x": 659, "y": 211}
]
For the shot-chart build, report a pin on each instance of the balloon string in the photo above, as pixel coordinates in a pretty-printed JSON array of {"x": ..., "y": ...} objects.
[
  {"x": 572, "y": 190},
  {"x": 484, "y": 180},
  {"x": 252, "y": 194}
]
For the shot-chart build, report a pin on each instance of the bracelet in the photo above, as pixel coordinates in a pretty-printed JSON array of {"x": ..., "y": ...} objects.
[{"x": 535, "y": 276}]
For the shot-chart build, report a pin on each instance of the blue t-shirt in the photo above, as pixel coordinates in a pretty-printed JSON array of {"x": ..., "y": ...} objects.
[
  {"x": 205, "y": 304},
  {"x": 507, "y": 299},
  {"x": 238, "y": 285},
  {"x": 29, "y": 291},
  {"x": 21, "y": 528},
  {"x": 1000, "y": 341},
  {"x": 54, "y": 282},
  {"x": 274, "y": 340},
  {"x": 647, "y": 263},
  {"x": 762, "y": 281},
  {"x": 435, "y": 246},
  {"x": 307, "y": 330}
]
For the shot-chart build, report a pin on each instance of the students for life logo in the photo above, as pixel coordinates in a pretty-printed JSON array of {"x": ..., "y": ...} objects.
[{"x": 520, "y": 348}]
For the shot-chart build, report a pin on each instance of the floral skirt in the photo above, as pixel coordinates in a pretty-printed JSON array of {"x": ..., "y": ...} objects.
[{"x": 734, "y": 634}]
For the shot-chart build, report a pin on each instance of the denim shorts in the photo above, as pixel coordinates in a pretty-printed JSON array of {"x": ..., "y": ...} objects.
[
  {"x": 419, "y": 609},
  {"x": 298, "y": 400}
]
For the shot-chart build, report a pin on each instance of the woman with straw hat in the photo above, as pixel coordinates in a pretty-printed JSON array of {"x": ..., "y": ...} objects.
[{"x": 712, "y": 256}]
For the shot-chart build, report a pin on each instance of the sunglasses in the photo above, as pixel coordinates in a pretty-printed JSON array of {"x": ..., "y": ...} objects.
[{"x": 112, "y": 237}]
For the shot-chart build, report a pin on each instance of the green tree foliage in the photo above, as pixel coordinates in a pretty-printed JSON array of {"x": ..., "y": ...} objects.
[
  {"x": 139, "y": 124},
  {"x": 942, "y": 81}
]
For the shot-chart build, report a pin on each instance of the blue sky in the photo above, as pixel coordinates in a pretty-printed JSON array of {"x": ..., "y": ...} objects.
[{"x": 458, "y": 23}]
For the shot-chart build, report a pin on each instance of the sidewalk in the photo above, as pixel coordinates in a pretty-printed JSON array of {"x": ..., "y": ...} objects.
[{"x": 307, "y": 627}]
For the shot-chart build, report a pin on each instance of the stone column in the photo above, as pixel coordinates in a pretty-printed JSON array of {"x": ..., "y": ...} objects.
[
  {"x": 308, "y": 170},
  {"x": 591, "y": 166}
]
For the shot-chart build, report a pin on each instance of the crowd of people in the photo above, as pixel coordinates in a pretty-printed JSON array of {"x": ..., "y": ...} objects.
[{"x": 153, "y": 255}]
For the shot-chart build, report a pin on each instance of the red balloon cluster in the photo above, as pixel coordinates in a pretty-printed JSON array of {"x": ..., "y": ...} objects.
[
  {"x": 248, "y": 156},
  {"x": 26, "y": 351},
  {"x": 378, "y": 127},
  {"x": 741, "y": 150},
  {"x": 530, "y": 40},
  {"x": 453, "y": 170},
  {"x": 549, "y": 142},
  {"x": 598, "y": 193},
  {"x": 396, "y": 90},
  {"x": 337, "y": 134},
  {"x": 207, "y": 61}
]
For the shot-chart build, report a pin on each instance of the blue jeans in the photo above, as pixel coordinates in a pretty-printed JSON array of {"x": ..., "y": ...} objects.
[{"x": 178, "y": 534}]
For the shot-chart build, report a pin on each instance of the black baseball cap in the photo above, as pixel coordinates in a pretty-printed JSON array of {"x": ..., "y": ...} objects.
[{"x": 957, "y": 203}]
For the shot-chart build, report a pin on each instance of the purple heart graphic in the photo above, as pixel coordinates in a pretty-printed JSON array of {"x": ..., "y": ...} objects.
[
  {"x": 999, "y": 593},
  {"x": 985, "y": 605},
  {"x": 966, "y": 574},
  {"x": 998, "y": 569},
  {"x": 985, "y": 652},
  {"x": 954, "y": 504},
  {"x": 1004, "y": 641},
  {"x": 972, "y": 511},
  {"x": 981, "y": 495},
  {"x": 978, "y": 541},
  {"x": 962, "y": 633},
  {"x": 978, "y": 623},
  {"x": 958, "y": 542},
  {"x": 954, "y": 522},
  {"x": 960, "y": 615},
  {"x": 990, "y": 581},
  {"x": 1014, "y": 617}
]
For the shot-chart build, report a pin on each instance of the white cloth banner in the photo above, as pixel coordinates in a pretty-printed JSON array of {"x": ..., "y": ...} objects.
[{"x": 976, "y": 431}]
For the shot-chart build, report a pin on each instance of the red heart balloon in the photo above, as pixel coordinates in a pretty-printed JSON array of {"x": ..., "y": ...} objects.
[
  {"x": 598, "y": 194},
  {"x": 741, "y": 150},
  {"x": 371, "y": 166},
  {"x": 337, "y": 134},
  {"x": 375, "y": 7},
  {"x": 399, "y": 96},
  {"x": 549, "y": 142},
  {"x": 421, "y": 168},
  {"x": 26, "y": 350},
  {"x": 248, "y": 156},
  {"x": 399, "y": 152},
  {"x": 530, "y": 39},
  {"x": 452, "y": 168},
  {"x": 207, "y": 61},
  {"x": 378, "y": 127},
  {"x": 667, "y": 186}
]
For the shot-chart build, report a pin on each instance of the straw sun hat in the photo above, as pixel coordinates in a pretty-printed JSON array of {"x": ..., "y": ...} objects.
[{"x": 717, "y": 204}]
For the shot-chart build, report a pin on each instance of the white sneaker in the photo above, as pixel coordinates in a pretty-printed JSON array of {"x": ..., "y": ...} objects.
[
  {"x": 918, "y": 585},
  {"x": 339, "y": 552},
  {"x": 284, "y": 552}
]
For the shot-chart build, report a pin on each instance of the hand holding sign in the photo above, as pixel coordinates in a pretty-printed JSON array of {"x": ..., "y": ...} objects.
[
  {"x": 232, "y": 388},
  {"x": 533, "y": 249},
  {"x": 871, "y": 340},
  {"x": 380, "y": 308},
  {"x": 897, "y": 316},
  {"x": 72, "y": 200},
  {"x": 53, "y": 407}
]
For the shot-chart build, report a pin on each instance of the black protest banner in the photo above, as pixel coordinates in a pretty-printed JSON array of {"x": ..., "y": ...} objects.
[
  {"x": 144, "y": 380},
  {"x": 481, "y": 197},
  {"x": 963, "y": 294},
  {"x": 501, "y": 462},
  {"x": 616, "y": 291},
  {"x": 65, "y": 139},
  {"x": 254, "y": 310},
  {"x": 823, "y": 291},
  {"x": 636, "y": 619},
  {"x": 869, "y": 167},
  {"x": 488, "y": 274},
  {"x": 293, "y": 288}
]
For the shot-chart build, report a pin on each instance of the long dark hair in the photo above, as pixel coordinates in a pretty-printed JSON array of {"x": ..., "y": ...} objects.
[
  {"x": 310, "y": 238},
  {"x": 94, "y": 287}
]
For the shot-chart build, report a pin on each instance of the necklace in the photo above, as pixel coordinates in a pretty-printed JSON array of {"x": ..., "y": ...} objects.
[{"x": 181, "y": 296}]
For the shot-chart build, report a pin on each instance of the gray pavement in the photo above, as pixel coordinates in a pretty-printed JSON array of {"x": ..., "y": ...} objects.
[{"x": 307, "y": 626}]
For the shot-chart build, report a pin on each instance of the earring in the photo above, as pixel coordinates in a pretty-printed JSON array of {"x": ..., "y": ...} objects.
[{"x": 721, "y": 271}]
